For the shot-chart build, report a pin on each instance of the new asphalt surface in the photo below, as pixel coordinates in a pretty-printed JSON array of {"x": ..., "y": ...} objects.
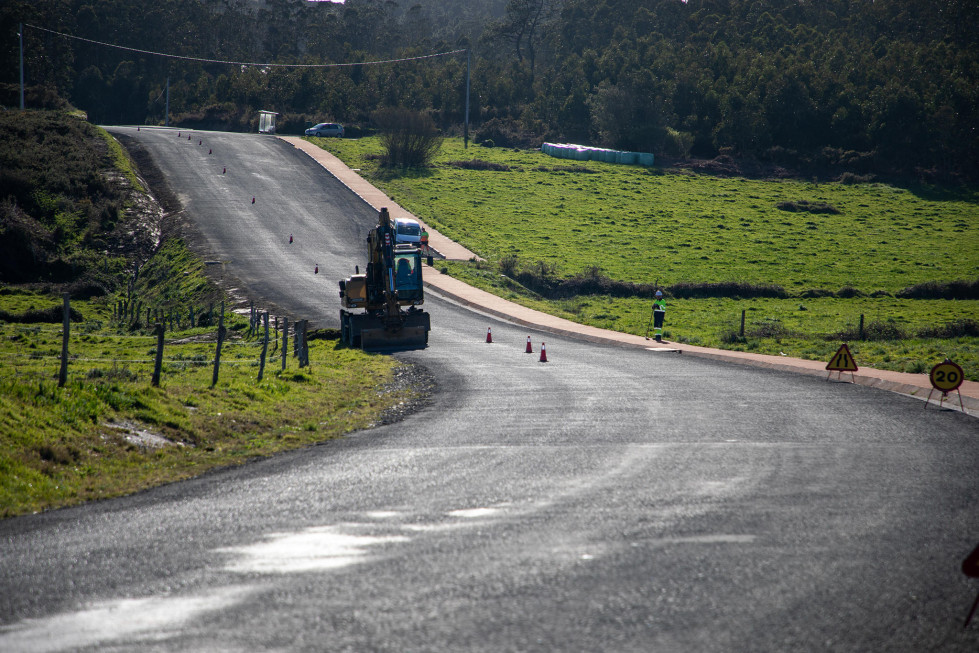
[{"x": 610, "y": 499}]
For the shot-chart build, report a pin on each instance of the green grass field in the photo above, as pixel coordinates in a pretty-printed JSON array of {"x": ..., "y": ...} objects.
[
  {"x": 61, "y": 446},
  {"x": 666, "y": 227}
]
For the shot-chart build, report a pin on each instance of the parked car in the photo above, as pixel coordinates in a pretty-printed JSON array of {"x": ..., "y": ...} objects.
[
  {"x": 407, "y": 230},
  {"x": 326, "y": 129}
]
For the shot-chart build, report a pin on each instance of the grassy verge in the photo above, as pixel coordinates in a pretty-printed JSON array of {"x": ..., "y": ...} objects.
[
  {"x": 108, "y": 432},
  {"x": 120, "y": 160},
  {"x": 525, "y": 211}
]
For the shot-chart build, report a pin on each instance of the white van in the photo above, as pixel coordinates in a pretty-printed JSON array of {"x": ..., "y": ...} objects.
[{"x": 407, "y": 231}]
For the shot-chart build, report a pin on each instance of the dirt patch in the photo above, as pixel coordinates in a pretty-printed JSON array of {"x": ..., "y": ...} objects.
[
  {"x": 140, "y": 436},
  {"x": 417, "y": 383}
]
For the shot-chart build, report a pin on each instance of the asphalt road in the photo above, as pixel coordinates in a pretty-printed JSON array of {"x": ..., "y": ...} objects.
[{"x": 607, "y": 500}]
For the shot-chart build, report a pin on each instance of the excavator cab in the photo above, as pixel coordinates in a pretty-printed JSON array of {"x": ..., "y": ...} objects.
[{"x": 408, "y": 276}]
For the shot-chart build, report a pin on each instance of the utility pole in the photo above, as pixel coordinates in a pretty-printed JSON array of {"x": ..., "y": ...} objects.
[
  {"x": 466, "y": 132},
  {"x": 166, "y": 118},
  {"x": 20, "y": 34}
]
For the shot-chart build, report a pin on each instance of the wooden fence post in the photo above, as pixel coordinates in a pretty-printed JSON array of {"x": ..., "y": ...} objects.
[
  {"x": 158, "y": 363},
  {"x": 285, "y": 341},
  {"x": 742, "y": 323},
  {"x": 217, "y": 353},
  {"x": 306, "y": 342},
  {"x": 265, "y": 347},
  {"x": 301, "y": 335},
  {"x": 63, "y": 373}
]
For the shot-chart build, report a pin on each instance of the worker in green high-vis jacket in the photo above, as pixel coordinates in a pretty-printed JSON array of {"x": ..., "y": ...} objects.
[{"x": 659, "y": 312}]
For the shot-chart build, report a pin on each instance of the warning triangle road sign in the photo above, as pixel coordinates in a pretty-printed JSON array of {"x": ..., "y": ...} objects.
[{"x": 842, "y": 360}]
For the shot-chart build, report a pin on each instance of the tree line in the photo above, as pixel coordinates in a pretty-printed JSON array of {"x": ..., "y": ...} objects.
[{"x": 859, "y": 85}]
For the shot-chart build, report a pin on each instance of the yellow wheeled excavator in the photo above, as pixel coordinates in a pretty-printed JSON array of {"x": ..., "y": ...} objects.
[{"x": 389, "y": 293}]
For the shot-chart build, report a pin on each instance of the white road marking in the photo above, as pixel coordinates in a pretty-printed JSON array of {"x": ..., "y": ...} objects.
[{"x": 314, "y": 549}]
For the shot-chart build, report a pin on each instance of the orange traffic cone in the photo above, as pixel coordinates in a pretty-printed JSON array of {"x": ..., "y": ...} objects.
[
  {"x": 210, "y": 151},
  {"x": 224, "y": 170},
  {"x": 489, "y": 334},
  {"x": 543, "y": 353},
  {"x": 530, "y": 350},
  {"x": 253, "y": 200},
  {"x": 316, "y": 270},
  {"x": 290, "y": 239}
]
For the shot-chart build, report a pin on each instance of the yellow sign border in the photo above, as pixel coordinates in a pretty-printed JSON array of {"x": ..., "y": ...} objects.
[{"x": 842, "y": 351}]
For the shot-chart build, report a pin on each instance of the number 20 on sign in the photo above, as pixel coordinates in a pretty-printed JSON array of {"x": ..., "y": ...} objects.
[{"x": 946, "y": 377}]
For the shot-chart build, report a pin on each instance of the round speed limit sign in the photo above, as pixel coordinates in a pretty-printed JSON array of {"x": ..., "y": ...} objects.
[{"x": 946, "y": 376}]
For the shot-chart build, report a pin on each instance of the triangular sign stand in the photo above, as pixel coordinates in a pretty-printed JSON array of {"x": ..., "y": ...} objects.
[{"x": 842, "y": 361}]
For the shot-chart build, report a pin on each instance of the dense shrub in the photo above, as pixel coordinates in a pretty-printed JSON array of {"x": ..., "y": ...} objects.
[
  {"x": 849, "y": 292},
  {"x": 770, "y": 327},
  {"x": 805, "y": 206},
  {"x": 873, "y": 330},
  {"x": 410, "y": 139},
  {"x": 849, "y": 178},
  {"x": 942, "y": 290},
  {"x": 508, "y": 265},
  {"x": 500, "y": 133},
  {"x": 539, "y": 278},
  {"x": 958, "y": 329},
  {"x": 52, "y": 315}
]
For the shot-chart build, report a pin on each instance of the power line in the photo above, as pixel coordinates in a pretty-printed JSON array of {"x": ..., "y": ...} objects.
[{"x": 242, "y": 63}]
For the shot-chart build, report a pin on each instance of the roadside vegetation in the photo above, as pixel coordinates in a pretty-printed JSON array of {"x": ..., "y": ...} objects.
[
  {"x": 804, "y": 259},
  {"x": 108, "y": 431}
]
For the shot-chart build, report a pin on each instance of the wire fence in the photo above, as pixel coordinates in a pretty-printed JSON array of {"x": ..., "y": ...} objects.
[{"x": 37, "y": 343}]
